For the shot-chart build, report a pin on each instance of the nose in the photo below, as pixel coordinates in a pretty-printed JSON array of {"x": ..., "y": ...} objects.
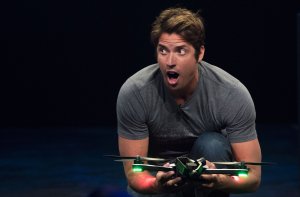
[{"x": 171, "y": 60}]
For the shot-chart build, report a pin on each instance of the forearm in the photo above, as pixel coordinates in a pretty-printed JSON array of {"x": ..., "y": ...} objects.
[
  {"x": 241, "y": 184},
  {"x": 142, "y": 182},
  {"x": 246, "y": 151}
]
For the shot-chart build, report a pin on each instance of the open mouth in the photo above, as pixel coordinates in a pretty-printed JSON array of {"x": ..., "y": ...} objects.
[{"x": 172, "y": 77}]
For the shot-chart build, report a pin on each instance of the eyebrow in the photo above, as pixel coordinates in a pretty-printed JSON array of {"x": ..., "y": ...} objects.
[{"x": 176, "y": 47}]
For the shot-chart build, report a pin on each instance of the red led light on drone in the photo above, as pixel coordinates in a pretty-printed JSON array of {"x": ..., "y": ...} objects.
[{"x": 236, "y": 178}]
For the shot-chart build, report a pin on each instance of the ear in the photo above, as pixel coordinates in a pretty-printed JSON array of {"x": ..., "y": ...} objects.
[{"x": 201, "y": 53}]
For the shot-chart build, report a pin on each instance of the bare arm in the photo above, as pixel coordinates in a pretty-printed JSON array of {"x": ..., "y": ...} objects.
[
  {"x": 245, "y": 151},
  {"x": 248, "y": 151},
  {"x": 144, "y": 182},
  {"x": 135, "y": 180}
]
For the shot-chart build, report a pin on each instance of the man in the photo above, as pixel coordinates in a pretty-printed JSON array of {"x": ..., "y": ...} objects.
[{"x": 183, "y": 105}]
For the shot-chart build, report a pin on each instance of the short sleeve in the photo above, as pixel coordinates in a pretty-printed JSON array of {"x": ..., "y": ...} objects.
[
  {"x": 239, "y": 115},
  {"x": 131, "y": 114}
]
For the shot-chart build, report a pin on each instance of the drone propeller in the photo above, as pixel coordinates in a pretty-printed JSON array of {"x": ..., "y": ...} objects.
[
  {"x": 120, "y": 158},
  {"x": 244, "y": 163}
]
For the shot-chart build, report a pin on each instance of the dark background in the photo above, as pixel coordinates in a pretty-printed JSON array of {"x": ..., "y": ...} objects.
[{"x": 63, "y": 62}]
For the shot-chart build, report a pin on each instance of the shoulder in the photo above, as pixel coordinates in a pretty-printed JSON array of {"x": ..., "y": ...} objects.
[
  {"x": 220, "y": 84},
  {"x": 141, "y": 86},
  {"x": 217, "y": 76},
  {"x": 224, "y": 90},
  {"x": 132, "y": 102},
  {"x": 236, "y": 108},
  {"x": 141, "y": 79}
]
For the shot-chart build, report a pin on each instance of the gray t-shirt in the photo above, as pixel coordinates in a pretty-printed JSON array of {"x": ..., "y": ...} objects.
[{"x": 221, "y": 103}]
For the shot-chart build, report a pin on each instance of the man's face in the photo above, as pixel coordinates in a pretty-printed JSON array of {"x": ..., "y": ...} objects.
[{"x": 177, "y": 62}]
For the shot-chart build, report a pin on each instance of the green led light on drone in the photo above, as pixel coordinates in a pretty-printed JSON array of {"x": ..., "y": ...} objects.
[
  {"x": 137, "y": 169},
  {"x": 243, "y": 174}
]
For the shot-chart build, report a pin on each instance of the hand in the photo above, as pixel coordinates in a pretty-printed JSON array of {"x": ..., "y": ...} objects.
[
  {"x": 212, "y": 181},
  {"x": 166, "y": 181}
]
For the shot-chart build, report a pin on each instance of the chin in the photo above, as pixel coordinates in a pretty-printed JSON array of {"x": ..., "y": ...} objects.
[{"x": 174, "y": 89}]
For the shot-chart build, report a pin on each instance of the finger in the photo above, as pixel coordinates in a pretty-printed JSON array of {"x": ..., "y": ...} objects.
[
  {"x": 166, "y": 165},
  {"x": 208, "y": 177},
  {"x": 168, "y": 185},
  {"x": 206, "y": 181},
  {"x": 165, "y": 174},
  {"x": 163, "y": 177},
  {"x": 173, "y": 182},
  {"x": 210, "y": 164},
  {"x": 207, "y": 185}
]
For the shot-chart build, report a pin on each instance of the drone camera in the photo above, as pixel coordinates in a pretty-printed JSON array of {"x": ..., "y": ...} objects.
[
  {"x": 181, "y": 167},
  {"x": 189, "y": 168}
]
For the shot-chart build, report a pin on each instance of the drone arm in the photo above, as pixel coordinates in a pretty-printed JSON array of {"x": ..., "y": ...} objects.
[{"x": 152, "y": 167}]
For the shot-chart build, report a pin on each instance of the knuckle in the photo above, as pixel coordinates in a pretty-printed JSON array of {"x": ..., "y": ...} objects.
[{"x": 169, "y": 184}]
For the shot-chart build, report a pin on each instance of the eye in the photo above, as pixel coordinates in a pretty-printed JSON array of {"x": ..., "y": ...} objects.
[
  {"x": 162, "y": 50},
  {"x": 182, "y": 51}
]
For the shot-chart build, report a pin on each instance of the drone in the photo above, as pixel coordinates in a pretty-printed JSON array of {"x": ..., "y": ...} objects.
[{"x": 188, "y": 168}]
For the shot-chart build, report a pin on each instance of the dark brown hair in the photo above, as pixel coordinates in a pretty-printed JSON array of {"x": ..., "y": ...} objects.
[{"x": 187, "y": 24}]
